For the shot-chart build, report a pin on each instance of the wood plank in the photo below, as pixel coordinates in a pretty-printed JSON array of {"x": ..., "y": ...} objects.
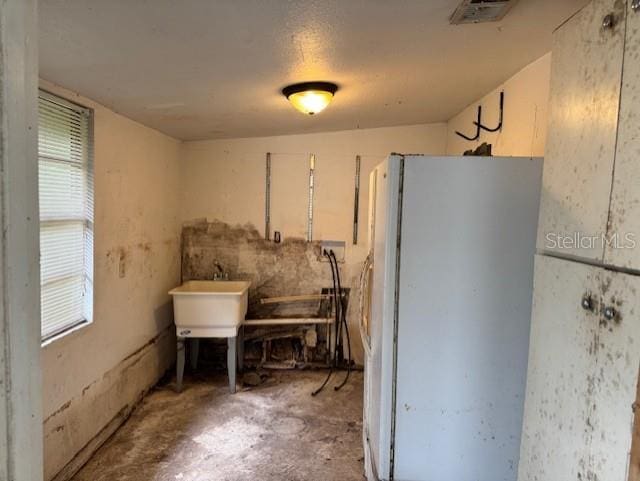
[
  {"x": 301, "y": 298},
  {"x": 288, "y": 321}
]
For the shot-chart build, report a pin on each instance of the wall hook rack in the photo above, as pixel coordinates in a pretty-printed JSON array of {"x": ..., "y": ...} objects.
[
  {"x": 499, "y": 127},
  {"x": 477, "y": 124},
  {"x": 480, "y": 127}
]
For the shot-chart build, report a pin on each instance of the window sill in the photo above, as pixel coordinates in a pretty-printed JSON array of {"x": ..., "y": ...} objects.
[{"x": 73, "y": 328}]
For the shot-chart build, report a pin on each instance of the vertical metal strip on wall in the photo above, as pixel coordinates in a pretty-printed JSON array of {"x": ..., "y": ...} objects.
[
  {"x": 356, "y": 202},
  {"x": 267, "y": 199},
  {"x": 312, "y": 167}
]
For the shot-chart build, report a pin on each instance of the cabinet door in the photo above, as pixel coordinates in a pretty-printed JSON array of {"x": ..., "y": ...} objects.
[
  {"x": 562, "y": 357},
  {"x": 634, "y": 463},
  {"x": 624, "y": 217},
  {"x": 616, "y": 376},
  {"x": 586, "y": 74}
]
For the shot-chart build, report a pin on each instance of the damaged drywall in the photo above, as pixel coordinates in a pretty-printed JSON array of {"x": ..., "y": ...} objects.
[
  {"x": 98, "y": 372},
  {"x": 291, "y": 267},
  {"x": 124, "y": 385}
]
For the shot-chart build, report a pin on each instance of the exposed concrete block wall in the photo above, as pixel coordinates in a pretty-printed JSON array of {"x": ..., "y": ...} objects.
[
  {"x": 95, "y": 375},
  {"x": 291, "y": 267},
  {"x": 524, "y": 131},
  {"x": 224, "y": 180}
]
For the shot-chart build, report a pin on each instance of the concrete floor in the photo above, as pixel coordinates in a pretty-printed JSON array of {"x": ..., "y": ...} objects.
[{"x": 274, "y": 432}]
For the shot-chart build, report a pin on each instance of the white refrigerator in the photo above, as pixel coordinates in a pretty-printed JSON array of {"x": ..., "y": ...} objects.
[{"x": 446, "y": 304}]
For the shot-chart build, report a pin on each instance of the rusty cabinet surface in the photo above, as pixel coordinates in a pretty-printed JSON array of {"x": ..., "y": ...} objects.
[
  {"x": 583, "y": 116},
  {"x": 555, "y": 436},
  {"x": 624, "y": 216},
  {"x": 583, "y": 372},
  {"x": 616, "y": 375}
]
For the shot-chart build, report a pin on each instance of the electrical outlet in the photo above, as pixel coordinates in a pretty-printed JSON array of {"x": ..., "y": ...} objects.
[{"x": 338, "y": 248}]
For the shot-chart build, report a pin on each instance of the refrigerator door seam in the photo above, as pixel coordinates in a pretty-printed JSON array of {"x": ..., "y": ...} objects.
[{"x": 396, "y": 308}]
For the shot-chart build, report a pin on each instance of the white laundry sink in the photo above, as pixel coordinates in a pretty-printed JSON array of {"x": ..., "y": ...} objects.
[{"x": 209, "y": 308}]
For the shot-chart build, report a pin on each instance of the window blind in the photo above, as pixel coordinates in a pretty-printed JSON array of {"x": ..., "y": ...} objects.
[{"x": 65, "y": 175}]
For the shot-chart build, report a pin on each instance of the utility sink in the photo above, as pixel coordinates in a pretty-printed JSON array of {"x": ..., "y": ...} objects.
[{"x": 209, "y": 308}]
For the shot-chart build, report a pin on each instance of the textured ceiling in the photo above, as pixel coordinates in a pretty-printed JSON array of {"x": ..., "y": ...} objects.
[{"x": 198, "y": 69}]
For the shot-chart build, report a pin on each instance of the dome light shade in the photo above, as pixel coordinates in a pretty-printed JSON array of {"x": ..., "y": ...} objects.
[{"x": 310, "y": 97}]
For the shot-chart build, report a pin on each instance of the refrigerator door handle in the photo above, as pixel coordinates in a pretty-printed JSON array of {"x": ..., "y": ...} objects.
[{"x": 365, "y": 300}]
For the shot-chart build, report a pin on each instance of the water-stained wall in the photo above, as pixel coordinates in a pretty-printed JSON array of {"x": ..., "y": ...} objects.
[
  {"x": 93, "y": 377},
  {"x": 292, "y": 267}
]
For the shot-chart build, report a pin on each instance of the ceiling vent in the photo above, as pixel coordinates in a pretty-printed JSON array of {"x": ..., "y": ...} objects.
[{"x": 479, "y": 11}]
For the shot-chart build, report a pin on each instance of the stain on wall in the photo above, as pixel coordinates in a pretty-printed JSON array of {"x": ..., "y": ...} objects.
[
  {"x": 99, "y": 371},
  {"x": 292, "y": 267}
]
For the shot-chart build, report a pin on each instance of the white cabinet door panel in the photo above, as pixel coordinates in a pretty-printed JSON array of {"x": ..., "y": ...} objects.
[
  {"x": 583, "y": 115},
  {"x": 624, "y": 217},
  {"x": 562, "y": 357},
  {"x": 616, "y": 376}
]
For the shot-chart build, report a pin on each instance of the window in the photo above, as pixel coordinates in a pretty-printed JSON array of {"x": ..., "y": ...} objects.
[{"x": 65, "y": 171}]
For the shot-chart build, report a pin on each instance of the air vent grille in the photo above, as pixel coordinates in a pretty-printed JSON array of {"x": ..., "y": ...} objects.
[{"x": 478, "y": 11}]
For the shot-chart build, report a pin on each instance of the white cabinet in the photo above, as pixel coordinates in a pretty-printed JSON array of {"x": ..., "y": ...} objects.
[
  {"x": 624, "y": 217},
  {"x": 561, "y": 360},
  {"x": 583, "y": 117},
  {"x": 583, "y": 370},
  {"x": 616, "y": 375},
  {"x": 584, "y": 355}
]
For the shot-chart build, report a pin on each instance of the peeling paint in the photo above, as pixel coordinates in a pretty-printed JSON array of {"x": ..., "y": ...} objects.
[
  {"x": 121, "y": 388},
  {"x": 292, "y": 267}
]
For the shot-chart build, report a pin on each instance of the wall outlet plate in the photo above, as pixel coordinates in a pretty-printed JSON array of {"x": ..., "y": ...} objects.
[{"x": 338, "y": 248}]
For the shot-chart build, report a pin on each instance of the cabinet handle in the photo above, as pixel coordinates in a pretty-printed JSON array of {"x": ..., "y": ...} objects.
[
  {"x": 609, "y": 313},
  {"x": 587, "y": 302},
  {"x": 609, "y": 21},
  {"x": 635, "y": 5}
]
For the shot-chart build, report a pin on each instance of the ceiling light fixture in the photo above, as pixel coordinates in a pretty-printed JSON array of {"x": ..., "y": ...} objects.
[{"x": 310, "y": 97}]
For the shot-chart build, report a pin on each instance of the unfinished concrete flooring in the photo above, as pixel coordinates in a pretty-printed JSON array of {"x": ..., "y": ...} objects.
[{"x": 275, "y": 431}]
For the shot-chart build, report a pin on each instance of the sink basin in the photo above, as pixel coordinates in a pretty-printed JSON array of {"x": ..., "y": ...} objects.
[{"x": 209, "y": 308}]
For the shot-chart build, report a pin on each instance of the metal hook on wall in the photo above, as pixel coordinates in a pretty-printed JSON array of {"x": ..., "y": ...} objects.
[
  {"x": 483, "y": 127},
  {"x": 478, "y": 126}
]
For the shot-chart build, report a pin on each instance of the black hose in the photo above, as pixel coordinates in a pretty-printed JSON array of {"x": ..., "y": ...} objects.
[
  {"x": 338, "y": 310},
  {"x": 333, "y": 276},
  {"x": 343, "y": 317},
  {"x": 339, "y": 349}
]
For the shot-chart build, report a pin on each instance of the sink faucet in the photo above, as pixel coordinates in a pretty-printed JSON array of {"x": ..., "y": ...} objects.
[{"x": 221, "y": 275}]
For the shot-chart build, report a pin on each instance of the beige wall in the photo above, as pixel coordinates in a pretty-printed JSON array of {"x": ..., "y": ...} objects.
[
  {"x": 225, "y": 180},
  {"x": 525, "y": 115},
  {"x": 94, "y": 375}
]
